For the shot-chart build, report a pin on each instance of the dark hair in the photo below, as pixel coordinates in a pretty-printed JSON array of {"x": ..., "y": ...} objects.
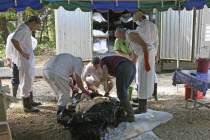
[
  {"x": 95, "y": 60},
  {"x": 144, "y": 17},
  {"x": 120, "y": 27},
  {"x": 34, "y": 18}
]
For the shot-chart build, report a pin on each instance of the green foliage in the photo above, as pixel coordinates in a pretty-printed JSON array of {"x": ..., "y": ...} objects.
[
  {"x": 45, "y": 48},
  {"x": 2, "y": 50},
  {"x": 11, "y": 26},
  {"x": 47, "y": 29},
  {"x": 9, "y": 14}
]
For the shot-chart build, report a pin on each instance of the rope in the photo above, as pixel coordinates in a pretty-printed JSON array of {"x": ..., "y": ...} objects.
[
  {"x": 162, "y": 3},
  {"x": 40, "y": 1},
  {"x": 69, "y": 1},
  {"x": 138, "y": 4},
  {"x": 91, "y": 2},
  {"x": 117, "y": 3}
]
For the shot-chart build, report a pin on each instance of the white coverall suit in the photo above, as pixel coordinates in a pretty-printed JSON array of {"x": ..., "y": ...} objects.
[
  {"x": 26, "y": 67},
  {"x": 10, "y": 50},
  {"x": 149, "y": 34},
  {"x": 56, "y": 72},
  {"x": 95, "y": 75}
]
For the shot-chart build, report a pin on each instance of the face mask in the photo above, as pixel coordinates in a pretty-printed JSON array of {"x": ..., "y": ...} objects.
[{"x": 138, "y": 23}]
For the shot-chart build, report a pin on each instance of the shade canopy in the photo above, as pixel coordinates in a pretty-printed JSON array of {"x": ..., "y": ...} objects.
[
  {"x": 20, "y": 5},
  {"x": 119, "y": 6},
  {"x": 104, "y": 6}
]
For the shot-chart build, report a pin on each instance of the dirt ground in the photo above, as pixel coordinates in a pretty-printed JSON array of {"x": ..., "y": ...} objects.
[{"x": 43, "y": 126}]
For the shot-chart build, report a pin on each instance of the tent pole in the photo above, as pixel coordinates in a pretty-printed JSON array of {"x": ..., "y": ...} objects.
[
  {"x": 178, "y": 39},
  {"x": 177, "y": 86},
  {"x": 108, "y": 32}
]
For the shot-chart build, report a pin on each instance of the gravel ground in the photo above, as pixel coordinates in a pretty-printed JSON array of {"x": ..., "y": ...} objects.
[{"x": 43, "y": 126}]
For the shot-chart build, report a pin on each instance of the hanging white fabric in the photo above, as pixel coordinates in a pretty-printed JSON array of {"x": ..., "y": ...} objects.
[
  {"x": 68, "y": 1},
  {"x": 15, "y": 2},
  {"x": 40, "y": 1}
]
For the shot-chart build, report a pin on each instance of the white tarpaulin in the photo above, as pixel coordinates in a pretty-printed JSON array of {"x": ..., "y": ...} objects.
[{"x": 141, "y": 128}]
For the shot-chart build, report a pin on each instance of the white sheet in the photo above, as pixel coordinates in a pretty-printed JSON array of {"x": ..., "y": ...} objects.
[{"x": 140, "y": 129}]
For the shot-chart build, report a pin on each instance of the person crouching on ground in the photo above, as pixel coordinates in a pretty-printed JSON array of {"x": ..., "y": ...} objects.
[
  {"x": 56, "y": 72},
  {"x": 95, "y": 79}
]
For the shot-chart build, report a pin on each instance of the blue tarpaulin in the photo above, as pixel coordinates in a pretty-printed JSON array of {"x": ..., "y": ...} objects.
[
  {"x": 189, "y": 4},
  {"x": 119, "y": 6},
  {"x": 102, "y": 6},
  {"x": 20, "y": 5}
]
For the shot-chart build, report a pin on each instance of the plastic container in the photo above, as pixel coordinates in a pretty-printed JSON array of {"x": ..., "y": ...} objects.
[
  {"x": 188, "y": 91},
  {"x": 202, "y": 65},
  {"x": 200, "y": 95},
  {"x": 130, "y": 92}
]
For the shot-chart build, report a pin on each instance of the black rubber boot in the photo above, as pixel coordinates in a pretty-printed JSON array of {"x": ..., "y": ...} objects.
[
  {"x": 155, "y": 92},
  {"x": 128, "y": 109},
  {"x": 27, "y": 105},
  {"x": 142, "y": 106},
  {"x": 14, "y": 89},
  {"x": 60, "y": 109},
  {"x": 32, "y": 100}
]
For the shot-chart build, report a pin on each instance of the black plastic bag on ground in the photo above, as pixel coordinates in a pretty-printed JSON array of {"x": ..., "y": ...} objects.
[
  {"x": 93, "y": 123},
  {"x": 95, "y": 94}
]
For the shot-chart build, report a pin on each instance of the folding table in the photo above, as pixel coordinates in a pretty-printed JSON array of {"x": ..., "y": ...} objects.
[{"x": 196, "y": 80}]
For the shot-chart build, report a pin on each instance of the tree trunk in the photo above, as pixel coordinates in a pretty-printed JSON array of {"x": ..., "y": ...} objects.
[
  {"x": 20, "y": 18},
  {"x": 3, "y": 29}
]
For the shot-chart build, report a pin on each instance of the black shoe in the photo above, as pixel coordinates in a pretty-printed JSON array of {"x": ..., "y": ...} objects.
[
  {"x": 134, "y": 105},
  {"x": 135, "y": 100},
  {"x": 155, "y": 97},
  {"x": 106, "y": 94}
]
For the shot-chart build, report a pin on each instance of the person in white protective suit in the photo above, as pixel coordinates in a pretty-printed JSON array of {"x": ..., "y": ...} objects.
[
  {"x": 56, "y": 72},
  {"x": 96, "y": 76},
  {"x": 23, "y": 57},
  {"x": 143, "y": 48},
  {"x": 10, "y": 52},
  {"x": 146, "y": 27}
]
